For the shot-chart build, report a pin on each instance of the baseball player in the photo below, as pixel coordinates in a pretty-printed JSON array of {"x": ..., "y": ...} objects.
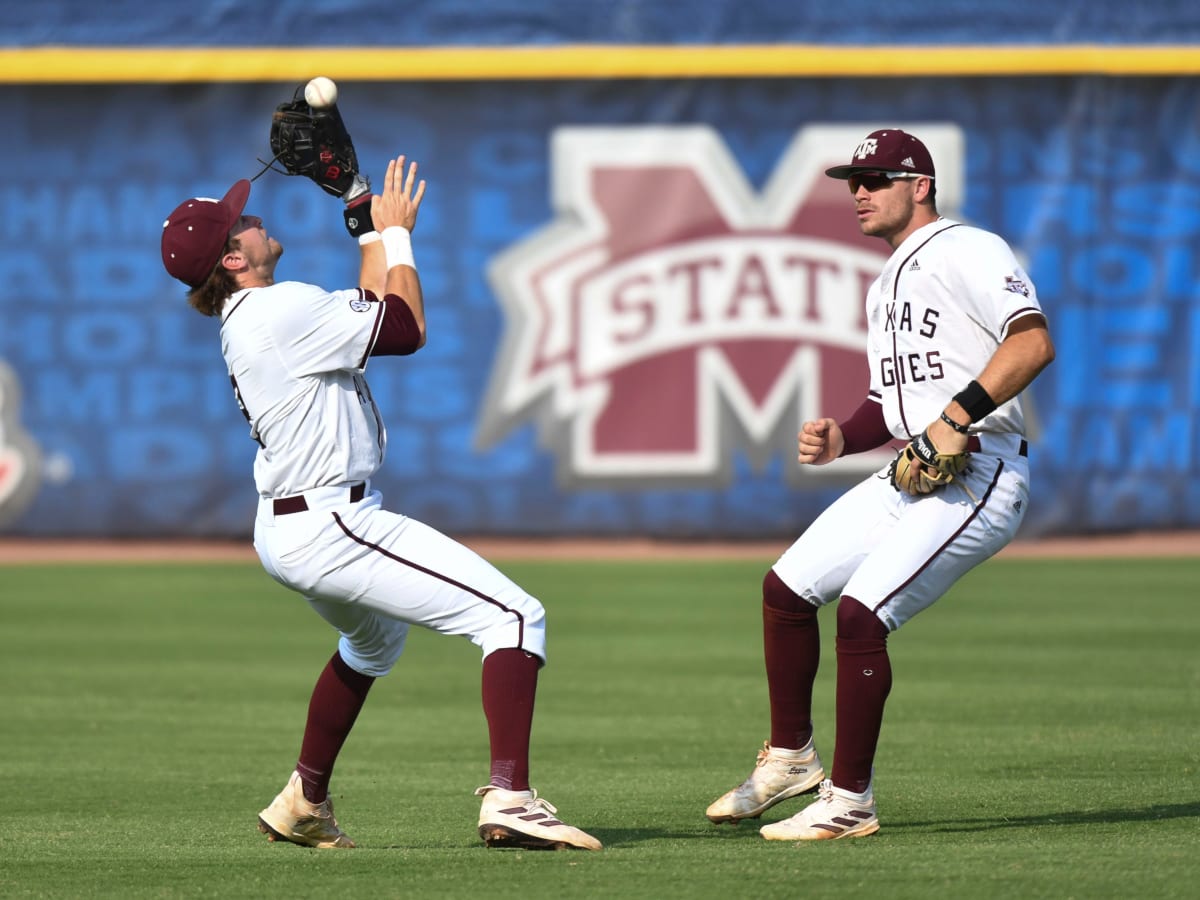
[
  {"x": 296, "y": 354},
  {"x": 955, "y": 334}
]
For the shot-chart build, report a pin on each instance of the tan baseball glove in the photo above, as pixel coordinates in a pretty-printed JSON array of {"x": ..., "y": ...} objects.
[{"x": 922, "y": 469}]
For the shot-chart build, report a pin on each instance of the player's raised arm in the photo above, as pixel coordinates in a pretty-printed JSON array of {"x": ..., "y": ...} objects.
[
  {"x": 372, "y": 273},
  {"x": 394, "y": 213}
]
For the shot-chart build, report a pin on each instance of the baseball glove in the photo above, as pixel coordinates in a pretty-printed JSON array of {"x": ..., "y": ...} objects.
[
  {"x": 314, "y": 143},
  {"x": 921, "y": 469}
]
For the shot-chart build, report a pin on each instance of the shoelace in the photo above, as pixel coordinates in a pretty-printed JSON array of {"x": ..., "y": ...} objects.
[
  {"x": 825, "y": 791},
  {"x": 538, "y": 803},
  {"x": 534, "y": 802},
  {"x": 763, "y": 755}
]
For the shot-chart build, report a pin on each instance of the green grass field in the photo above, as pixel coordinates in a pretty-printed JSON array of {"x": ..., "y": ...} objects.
[{"x": 1042, "y": 739}]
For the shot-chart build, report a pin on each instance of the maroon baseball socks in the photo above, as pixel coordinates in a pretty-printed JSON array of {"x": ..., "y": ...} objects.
[
  {"x": 792, "y": 651},
  {"x": 864, "y": 680},
  {"x": 336, "y": 701},
  {"x": 509, "y": 687}
]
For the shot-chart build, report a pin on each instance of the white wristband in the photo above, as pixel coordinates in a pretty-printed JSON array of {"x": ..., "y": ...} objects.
[
  {"x": 369, "y": 237},
  {"x": 397, "y": 247}
]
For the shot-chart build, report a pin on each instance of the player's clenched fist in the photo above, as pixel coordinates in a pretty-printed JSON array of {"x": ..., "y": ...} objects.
[
  {"x": 820, "y": 441},
  {"x": 400, "y": 198}
]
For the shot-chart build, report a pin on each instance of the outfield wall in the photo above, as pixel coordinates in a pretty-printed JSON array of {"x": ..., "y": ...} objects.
[{"x": 638, "y": 282}]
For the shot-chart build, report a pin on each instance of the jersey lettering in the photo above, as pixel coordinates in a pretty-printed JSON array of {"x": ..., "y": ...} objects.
[
  {"x": 899, "y": 317},
  {"x": 930, "y": 323},
  {"x": 911, "y": 368}
]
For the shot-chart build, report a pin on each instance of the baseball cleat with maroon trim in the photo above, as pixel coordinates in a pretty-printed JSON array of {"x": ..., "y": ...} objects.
[
  {"x": 778, "y": 775},
  {"x": 836, "y": 813},
  {"x": 523, "y": 819},
  {"x": 294, "y": 819}
]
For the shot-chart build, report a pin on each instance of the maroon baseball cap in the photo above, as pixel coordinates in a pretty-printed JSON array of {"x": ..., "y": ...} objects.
[
  {"x": 887, "y": 150},
  {"x": 195, "y": 233}
]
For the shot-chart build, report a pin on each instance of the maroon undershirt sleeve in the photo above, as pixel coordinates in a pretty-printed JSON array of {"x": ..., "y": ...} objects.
[
  {"x": 865, "y": 429},
  {"x": 399, "y": 334}
]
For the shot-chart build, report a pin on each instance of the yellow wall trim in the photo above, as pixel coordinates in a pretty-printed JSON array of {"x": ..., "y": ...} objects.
[{"x": 64, "y": 65}]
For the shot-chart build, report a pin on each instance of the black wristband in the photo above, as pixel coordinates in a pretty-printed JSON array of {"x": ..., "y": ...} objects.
[
  {"x": 358, "y": 216},
  {"x": 961, "y": 429},
  {"x": 975, "y": 400}
]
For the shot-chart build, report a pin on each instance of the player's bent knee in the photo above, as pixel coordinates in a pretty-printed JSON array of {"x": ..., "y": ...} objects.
[
  {"x": 778, "y": 597},
  {"x": 540, "y": 658},
  {"x": 373, "y": 644},
  {"x": 366, "y": 663},
  {"x": 519, "y": 628},
  {"x": 857, "y": 623}
]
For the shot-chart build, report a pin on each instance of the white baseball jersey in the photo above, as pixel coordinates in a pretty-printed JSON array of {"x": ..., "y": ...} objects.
[
  {"x": 296, "y": 355},
  {"x": 936, "y": 315},
  {"x": 938, "y": 311}
]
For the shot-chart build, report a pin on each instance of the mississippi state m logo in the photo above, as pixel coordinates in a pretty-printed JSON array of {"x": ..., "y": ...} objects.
[{"x": 672, "y": 316}]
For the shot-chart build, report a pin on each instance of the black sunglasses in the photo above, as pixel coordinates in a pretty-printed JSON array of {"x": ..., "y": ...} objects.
[{"x": 877, "y": 181}]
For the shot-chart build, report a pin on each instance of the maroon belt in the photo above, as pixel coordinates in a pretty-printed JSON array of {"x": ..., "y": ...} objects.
[
  {"x": 972, "y": 445},
  {"x": 285, "y": 505}
]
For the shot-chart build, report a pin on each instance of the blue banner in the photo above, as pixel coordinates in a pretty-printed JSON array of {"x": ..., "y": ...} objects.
[{"x": 557, "y": 395}]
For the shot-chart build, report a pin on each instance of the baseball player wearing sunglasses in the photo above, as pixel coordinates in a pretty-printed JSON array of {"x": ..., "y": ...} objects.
[{"x": 955, "y": 333}]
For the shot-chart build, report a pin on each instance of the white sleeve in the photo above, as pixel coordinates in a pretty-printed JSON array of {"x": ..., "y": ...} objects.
[
  {"x": 1001, "y": 291},
  {"x": 321, "y": 331}
]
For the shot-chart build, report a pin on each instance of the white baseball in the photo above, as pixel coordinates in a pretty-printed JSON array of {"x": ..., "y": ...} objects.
[{"x": 320, "y": 92}]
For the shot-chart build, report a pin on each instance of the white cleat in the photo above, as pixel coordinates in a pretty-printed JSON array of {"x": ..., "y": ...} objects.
[
  {"x": 292, "y": 818},
  {"x": 834, "y": 814},
  {"x": 778, "y": 775},
  {"x": 523, "y": 819}
]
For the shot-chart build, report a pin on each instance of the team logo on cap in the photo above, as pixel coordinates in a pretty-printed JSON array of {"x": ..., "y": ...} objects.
[
  {"x": 674, "y": 318},
  {"x": 866, "y": 148}
]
